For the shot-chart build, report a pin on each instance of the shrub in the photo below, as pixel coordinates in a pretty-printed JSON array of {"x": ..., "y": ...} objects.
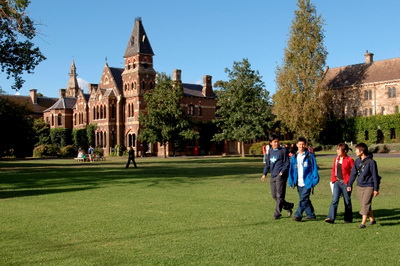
[
  {"x": 45, "y": 150},
  {"x": 98, "y": 151},
  {"x": 256, "y": 148},
  {"x": 68, "y": 151}
]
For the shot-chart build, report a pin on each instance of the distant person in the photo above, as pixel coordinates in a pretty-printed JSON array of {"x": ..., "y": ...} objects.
[
  {"x": 277, "y": 163},
  {"x": 340, "y": 177},
  {"x": 91, "y": 153},
  {"x": 265, "y": 150},
  {"x": 311, "y": 149},
  {"x": 303, "y": 174},
  {"x": 365, "y": 170},
  {"x": 131, "y": 157}
]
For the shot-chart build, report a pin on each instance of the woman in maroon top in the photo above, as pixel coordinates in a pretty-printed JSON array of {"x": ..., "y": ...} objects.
[{"x": 341, "y": 170}]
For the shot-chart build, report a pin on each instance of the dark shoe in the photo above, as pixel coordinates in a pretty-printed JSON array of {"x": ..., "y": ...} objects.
[
  {"x": 277, "y": 217},
  {"x": 372, "y": 222},
  {"x": 329, "y": 221},
  {"x": 297, "y": 219},
  {"x": 362, "y": 226},
  {"x": 347, "y": 222}
]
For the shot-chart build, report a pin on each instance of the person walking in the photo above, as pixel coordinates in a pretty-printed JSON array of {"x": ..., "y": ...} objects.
[
  {"x": 91, "y": 153},
  {"x": 340, "y": 176},
  {"x": 277, "y": 163},
  {"x": 303, "y": 174},
  {"x": 365, "y": 170},
  {"x": 131, "y": 157}
]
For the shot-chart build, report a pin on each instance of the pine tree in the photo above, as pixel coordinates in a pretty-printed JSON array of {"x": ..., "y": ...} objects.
[
  {"x": 164, "y": 121},
  {"x": 299, "y": 102},
  {"x": 244, "y": 110}
]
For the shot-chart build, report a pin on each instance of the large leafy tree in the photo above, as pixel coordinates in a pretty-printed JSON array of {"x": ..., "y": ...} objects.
[
  {"x": 16, "y": 133},
  {"x": 17, "y": 52},
  {"x": 299, "y": 102},
  {"x": 164, "y": 121},
  {"x": 244, "y": 110}
]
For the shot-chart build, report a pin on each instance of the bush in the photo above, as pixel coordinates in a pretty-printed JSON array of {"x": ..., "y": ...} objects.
[
  {"x": 384, "y": 148},
  {"x": 68, "y": 151},
  {"x": 256, "y": 148},
  {"x": 98, "y": 151},
  {"x": 45, "y": 150}
]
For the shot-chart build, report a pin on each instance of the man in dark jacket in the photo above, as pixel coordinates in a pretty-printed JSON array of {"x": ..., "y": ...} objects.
[
  {"x": 277, "y": 164},
  {"x": 131, "y": 157},
  {"x": 366, "y": 172}
]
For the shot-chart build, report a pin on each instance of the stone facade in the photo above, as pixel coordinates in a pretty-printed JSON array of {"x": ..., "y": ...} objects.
[{"x": 366, "y": 89}]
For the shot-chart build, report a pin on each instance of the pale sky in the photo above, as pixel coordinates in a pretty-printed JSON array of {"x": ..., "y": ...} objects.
[{"x": 198, "y": 37}]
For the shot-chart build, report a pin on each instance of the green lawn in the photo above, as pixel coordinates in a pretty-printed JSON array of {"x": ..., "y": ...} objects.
[{"x": 180, "y": 211}]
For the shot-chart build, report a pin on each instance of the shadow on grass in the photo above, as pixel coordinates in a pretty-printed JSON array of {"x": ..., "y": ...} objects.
[
  {"x": 25, "y": 193},
  {"x": 387, "y": 217},
  {"x": 29, "y": 179}
]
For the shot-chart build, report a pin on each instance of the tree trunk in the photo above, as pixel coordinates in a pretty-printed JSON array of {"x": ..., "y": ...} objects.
[
  {"x": 242, "y": 148},
  {"x": 165, "y": 150}
]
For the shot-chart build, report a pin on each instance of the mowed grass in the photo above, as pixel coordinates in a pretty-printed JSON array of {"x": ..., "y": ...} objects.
[{"x": 179, "y": 211}]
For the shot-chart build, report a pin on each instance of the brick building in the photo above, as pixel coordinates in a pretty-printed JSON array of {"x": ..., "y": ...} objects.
[
  {"x": 115, "y": 104},
  {"x": 365, "y": 89}
]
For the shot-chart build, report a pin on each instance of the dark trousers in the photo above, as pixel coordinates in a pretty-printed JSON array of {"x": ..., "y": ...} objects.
[
  {"x": 278, "y": 191},
  {"x": 305, "y": 204},
  {"x": 129, "y": 161}
]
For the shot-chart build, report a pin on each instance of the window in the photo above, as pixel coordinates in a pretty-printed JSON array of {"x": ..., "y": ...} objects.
[
  {"x": 75, "y": 118},
  {"x": 199, "y": 111},
  {"x": 365, "y": 112},
  {"x": 392, "y": 92},
  {"x": 113, "y": 111},
  {"x": 370, "y": 111},
  {"x": 191, "y": 110},
  {"x": 392, "y": 133},
  {"x": 355, "y": 112},
  {"x": 368, "y": 95},
  {"x": 59, "y": 120},
  {"x": 383, "y": 110}
]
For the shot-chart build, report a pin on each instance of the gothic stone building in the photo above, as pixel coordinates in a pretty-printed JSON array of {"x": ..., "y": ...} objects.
[
  {"x": 365, "y": 89},
  {"x": 115, "y": 104}
]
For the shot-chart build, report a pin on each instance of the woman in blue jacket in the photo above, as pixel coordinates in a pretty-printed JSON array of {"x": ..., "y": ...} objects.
[{"x": 303, "y": 173}]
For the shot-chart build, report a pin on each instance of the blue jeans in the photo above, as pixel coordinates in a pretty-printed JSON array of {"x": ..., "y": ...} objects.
[
  {"x": 305, "y": 204},
  {"x": 340, "y": 189}
]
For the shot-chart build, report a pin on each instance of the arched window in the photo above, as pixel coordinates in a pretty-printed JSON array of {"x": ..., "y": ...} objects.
[
  {"x": 52, "y": 119},
  {"x": 105, "y": 111},
  {"x": 59, "y": 120},
  {"x": 104, "y": 139},
  {"x": 97, "y": 113},
  {"x": 75, "y": 118},
  {"x": 113, "y": 111},
  {"x": 131, "y": 140},
  {"x": 382, "y": 110},
  {"x": 370, "y": 111},
  {"x": 142, "y": 86},
  {"x": 132, "y": 110}
]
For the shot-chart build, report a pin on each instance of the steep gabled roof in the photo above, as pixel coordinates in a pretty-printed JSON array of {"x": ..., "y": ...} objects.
[
  {"x": 63, "y": 103},
  {"x": 138, "y": 42},
  {"x": 117, "y": 75},
  {"x": 352, "y": 75},
  {"x": 194, "y": 90}
]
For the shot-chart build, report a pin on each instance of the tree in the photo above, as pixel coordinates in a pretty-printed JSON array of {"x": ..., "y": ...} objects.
[
  {"x": 42, "y": 132},
  {"x": 17, "y": 52},
  {"x": 244, "y": 110},
  {"x": 16, "y": 133},
  {"x": 299, "y": 101},
  {"x": 164, "y": 121}
]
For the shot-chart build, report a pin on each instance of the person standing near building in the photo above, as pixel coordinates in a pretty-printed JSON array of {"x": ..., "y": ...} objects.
[
  {"x": 91, "y": 153},
  {"x": 277, "y": 163},
  {"x": 365, "y": 170},
  {"x": 303, "y": 173},
  {"x": 131, "y": 157},
  {"x": 265, "y": 150},
  {"x": 340, "y": 176}
]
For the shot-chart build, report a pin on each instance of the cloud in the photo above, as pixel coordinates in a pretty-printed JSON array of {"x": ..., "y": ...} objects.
[
  {"x": 17, "y": 93},
  {"x": 83, "y": 84}
]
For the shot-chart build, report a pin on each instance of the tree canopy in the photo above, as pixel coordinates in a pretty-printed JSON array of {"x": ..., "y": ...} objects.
[
  {"x": 244, "y": 110},
  {"x": 299, "y": 102},
  {"x": 164, "y": 121},
  {"x": 17, "y": 52}
]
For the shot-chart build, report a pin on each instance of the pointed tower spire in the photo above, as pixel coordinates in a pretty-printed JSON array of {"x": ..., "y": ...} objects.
[
  {"x": 72, "y": 86},
  {"x": 138, "y": 42}
]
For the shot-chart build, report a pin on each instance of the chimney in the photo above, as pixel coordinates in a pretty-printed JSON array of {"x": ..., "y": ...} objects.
[
  {"x": 33, "y": 95},
  {"x": 369, "y": 57},
  {"x": 62, "y": 93},
  {"x": 177, "y": 75},
  {"x": 207, "y": 87}
]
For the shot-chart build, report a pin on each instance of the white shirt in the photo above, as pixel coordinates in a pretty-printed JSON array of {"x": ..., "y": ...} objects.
[{"x": 300, "y": 170}]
